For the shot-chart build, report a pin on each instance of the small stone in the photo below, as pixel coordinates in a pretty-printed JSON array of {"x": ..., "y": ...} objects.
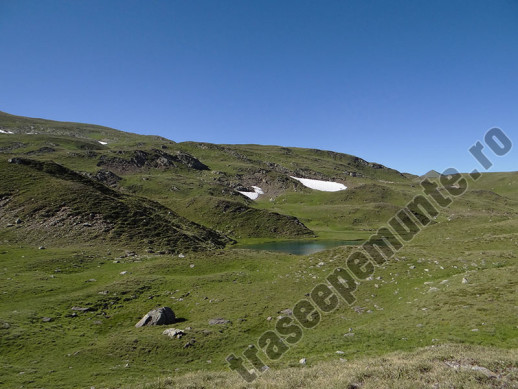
[
  {"x": 191, "y": 265},
  {"x": 46, "y": 319},
  {"x": 303, "y": 361},
  {"x": 218, "y": 321},
  {"x": 6, "y": 326},
  {"x": 340, "y": 352},
  {"x": 189, "y": 343},
  {"x": 465, "y": 281},
  {"x": 81, "y": 309},
  {"x": 269, "y": 318},
  {"x": 41, "y": 248},
  {"x": 123, "y": 272},
  {"x": 181, "y": 256},
  {"x": 173, "y": 333},
  {"x": 18, "y": 221}
]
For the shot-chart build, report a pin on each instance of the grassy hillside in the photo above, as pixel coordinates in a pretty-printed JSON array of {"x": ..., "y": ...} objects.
[
  {"x": 44, "y": 203},
  {"x": 200, "y": 181},
  {"x": 444, "y": 366},
  {"x": 437, "y": 315}
]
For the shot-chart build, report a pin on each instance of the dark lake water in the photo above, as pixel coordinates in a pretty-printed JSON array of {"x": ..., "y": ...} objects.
[{"x": 298, "y": 247}]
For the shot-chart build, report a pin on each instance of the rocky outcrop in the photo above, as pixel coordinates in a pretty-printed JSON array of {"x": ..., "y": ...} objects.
[
  {"x": 106, "y": 177},
  {"x": 126, "y": 161}
]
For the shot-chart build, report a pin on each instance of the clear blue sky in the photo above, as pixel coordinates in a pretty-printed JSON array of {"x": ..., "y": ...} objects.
[{"x": 409, "y": 84}]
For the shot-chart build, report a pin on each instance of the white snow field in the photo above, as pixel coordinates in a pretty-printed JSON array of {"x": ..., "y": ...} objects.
[
  {"x": 253, "y": 195},
  {"x": 324, "y": 186}
]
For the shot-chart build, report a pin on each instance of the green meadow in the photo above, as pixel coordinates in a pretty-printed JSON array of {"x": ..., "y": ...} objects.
[{"x": 82, "y": 259}]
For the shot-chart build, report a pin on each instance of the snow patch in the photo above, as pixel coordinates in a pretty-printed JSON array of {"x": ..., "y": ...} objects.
[
  {"x": 6, "y": 132},
  {"x": 325, "y": 186},
  {"x": 103, "y": 143},
  {"x": 253, "y": 195}
]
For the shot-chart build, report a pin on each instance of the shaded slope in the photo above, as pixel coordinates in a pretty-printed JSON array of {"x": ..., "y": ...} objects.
[
  {"x": 238, "y": 220},
  {"x": 55, "y": 205}
]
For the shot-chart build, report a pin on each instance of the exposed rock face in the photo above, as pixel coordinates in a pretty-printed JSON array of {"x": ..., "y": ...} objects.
[
  {"x": 106, "y": 177},
  {"x": 191, "y": 162},
  {"x": 129, "y": 161},
  {"x": 42, "y": 150},
  {"x": 156, "y": 317}
]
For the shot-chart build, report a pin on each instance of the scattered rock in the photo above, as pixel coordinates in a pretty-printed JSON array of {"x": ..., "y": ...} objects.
[
  {"x": 173, "y": 333},
  {"x": 6, "y": 326},
  {"x": 287, "y": 312},
  {"x": 123, "y": 272},
  {"x": 18, "y": 221},
  {"x": 303, "y": 361},
  {"x": 81, "y": 309},
  {"x": 41, "y": 248},
  {"x": 160, "y": 316},
  {"x": 457, "y": 366},
  {"x": 190, "y": 343},
  {"x": 218, "y": 321},
  {"x": 465, "y": 281},
  {"x": 46, "y": 319}
]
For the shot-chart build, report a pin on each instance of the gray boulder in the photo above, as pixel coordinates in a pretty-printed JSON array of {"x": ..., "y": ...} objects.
[{"x": 156, "y": 317}]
